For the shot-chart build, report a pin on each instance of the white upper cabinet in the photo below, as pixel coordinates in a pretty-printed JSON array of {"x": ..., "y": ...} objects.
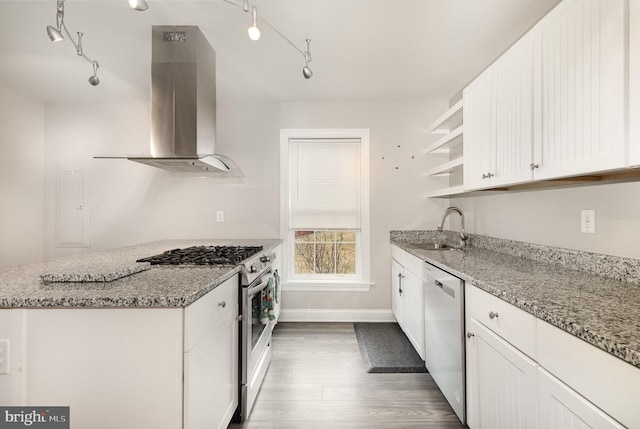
[
  {"x": 579, "y": 92},
  {"x": 513, "y": 106},
  {"x": 554, "y": 104},
  {"x": 498, "y": 120},
  {"x": 477, "y": 143},
  {"x": 634, "y": 83}
]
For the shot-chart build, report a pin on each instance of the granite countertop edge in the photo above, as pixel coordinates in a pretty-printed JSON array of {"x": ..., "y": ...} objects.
[
  {"x": 598, "y": 339},
  {"x": 25, "y": 287}
]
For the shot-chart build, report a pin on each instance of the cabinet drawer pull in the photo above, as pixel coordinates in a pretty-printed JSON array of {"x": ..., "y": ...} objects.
[
  {"x": 222, "y": 304},
  {"x": 492, "y": 315},
  {"x": 470, "y": 334}
]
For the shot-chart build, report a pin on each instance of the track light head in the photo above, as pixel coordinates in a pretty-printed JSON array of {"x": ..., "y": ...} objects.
[
  {"x": 93, "y": 80},
  {"x": 254, "y": 31},
  {"x": 306, "y": 71},
  {"x": 54, "y": 34},
  {"x": 138, "y": 5}
]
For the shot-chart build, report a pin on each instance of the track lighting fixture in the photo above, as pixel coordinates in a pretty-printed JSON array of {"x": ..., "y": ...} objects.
[
  {"x": 254, "y": 31},
  {"x": 306, "y": 71},
  {"x": 254, "y": 34},
  {"x": 56, "y": 34}
]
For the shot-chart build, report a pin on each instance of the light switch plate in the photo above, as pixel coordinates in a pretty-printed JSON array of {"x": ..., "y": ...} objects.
[
  {"x": 220, "y": 216},
  {"x": 588, "y": 221},
  {"x": 4, "y": 357}
]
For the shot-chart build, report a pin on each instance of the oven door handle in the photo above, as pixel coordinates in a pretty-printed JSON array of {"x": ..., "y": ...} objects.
[{"x": 256, "y": 289}]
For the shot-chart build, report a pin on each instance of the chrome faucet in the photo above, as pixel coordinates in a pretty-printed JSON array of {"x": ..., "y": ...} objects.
[{"x": 463, "y": 237}]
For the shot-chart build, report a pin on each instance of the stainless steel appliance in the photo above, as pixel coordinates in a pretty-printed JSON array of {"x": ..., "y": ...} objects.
[
  {"x": 259, "y": 307},
  {"x": 444, "y": 335},
  {"x": 183, "y": 106},
  {"x": 259, "y": 315}
]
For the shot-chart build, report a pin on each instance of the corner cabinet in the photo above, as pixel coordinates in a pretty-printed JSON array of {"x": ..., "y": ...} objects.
[
  {"x": 407, "y": 299},
  {"x": 449, "y": 149}
]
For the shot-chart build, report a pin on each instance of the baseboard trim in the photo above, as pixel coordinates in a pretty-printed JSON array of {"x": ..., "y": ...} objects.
[{"x": 337, "y": 315}]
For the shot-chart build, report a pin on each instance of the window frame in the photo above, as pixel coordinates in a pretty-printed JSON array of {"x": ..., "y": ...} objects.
[{"x": 361, "y": 280}]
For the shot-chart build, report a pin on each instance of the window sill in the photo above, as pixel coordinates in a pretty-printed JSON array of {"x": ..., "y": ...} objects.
[{"x": 326, "y": 286}]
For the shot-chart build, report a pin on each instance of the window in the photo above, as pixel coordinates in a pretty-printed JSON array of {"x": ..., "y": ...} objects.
[
  {"x": 325, "y": 210},
  {"x": 324, "y": 252}
]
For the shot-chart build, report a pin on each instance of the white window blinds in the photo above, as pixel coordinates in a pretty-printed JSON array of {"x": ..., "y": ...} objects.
[{"x": 324, "y": 183}]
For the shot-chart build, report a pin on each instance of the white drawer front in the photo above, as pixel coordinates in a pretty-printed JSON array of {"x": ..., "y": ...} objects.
[
  {"x": 509, "y": 322},
  {"x": 203, "y": 314}
]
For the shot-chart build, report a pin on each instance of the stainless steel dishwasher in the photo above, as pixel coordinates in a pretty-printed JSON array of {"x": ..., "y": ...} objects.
[{"x": 444, "y": 335}]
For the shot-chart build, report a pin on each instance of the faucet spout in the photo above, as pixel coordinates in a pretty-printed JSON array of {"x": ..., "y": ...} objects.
[{"x": 463, "y": 236}]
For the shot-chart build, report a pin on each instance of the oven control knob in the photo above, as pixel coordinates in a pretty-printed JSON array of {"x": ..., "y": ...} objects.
[
  {"x": 265, "y": 258},
  {"x": 252, "y": 269}
]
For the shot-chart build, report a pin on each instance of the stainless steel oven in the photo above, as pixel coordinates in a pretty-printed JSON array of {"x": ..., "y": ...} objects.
[{"x": 256, "y": 324}]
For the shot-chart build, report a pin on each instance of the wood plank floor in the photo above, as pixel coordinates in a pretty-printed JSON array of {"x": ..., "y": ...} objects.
[{"x": 317, "y": 380}]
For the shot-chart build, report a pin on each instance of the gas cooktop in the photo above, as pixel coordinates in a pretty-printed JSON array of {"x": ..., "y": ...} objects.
[{"x": 204, "y": 255}]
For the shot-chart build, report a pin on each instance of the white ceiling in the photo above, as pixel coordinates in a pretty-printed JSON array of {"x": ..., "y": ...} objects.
[{"x": 362, "y": 50}]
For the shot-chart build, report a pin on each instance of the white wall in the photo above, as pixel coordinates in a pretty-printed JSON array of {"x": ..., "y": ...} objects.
[
  {"x": 132, "y": 203},
  {"x": 21, "y": 179},
  {"x": 552, "y": 217}
]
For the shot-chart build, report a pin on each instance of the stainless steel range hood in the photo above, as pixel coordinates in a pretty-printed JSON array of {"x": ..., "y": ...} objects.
[{"x": 183, "y": 105}]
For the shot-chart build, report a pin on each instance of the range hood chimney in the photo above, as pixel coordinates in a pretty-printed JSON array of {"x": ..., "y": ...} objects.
[{"x": 183, "y": 105}]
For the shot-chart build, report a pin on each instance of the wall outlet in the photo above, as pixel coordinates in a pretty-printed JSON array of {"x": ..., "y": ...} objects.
[
  {"x": 4, "y": 356},
  {"x": 588, "y": 221},
  {"x": 220, "y": 216}
]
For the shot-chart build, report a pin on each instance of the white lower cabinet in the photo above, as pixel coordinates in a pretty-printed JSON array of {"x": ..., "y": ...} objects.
[
  {"x": 501, "y": 383},
  {"x": 563, "y": 408},
  {"x": 413, "y": 310},
  {"x": 211, "y": 365},
  {"x": 407, "y": 296},
  {"x": 126, "y": 368},
  {"x": 533, "y": 375},
  {"x": 396, "y": 291}
]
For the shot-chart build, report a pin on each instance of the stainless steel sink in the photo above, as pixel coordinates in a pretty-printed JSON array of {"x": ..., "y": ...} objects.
[{"x": 435, "y": 246}]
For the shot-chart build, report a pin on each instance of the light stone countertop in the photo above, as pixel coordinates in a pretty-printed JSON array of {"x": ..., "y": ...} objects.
[
  {"x": 113, "y": 278},
  {"x": 604, "y": 312}
]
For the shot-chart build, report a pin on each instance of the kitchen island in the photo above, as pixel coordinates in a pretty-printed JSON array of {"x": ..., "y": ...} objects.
[
  {"x": 129, "y": 346},
  {"x": 571, "y": 294}
]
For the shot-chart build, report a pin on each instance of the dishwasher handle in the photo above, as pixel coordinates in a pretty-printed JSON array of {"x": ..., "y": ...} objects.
[{"x": 443, "y": 287}]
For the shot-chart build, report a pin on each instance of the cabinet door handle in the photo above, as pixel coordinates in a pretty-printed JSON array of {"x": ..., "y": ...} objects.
[
  {"x": 400, "y": 277},
  {"x": 533, "y": 166},
  {"x": 222, "y": 304},
  {"x": 492, "y": 315},
  {"x": 470, "y": 334}
]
